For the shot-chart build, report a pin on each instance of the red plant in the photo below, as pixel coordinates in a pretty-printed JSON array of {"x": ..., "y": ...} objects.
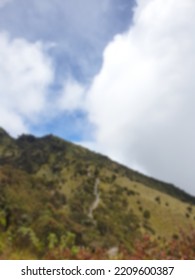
[{"x": 145, "y": 248}]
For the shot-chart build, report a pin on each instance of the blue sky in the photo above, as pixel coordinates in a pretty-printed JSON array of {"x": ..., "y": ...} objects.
[
  {"x": 113, "y": 75},
  {"x": 79, "y": 30},
  {"x": 73, "y": 35}
]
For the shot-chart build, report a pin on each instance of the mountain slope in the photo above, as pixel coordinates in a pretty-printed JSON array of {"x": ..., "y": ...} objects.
[{"x": 55, "y": 193}]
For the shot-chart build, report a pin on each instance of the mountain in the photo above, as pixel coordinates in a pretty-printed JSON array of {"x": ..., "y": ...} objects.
[{"x": 59, "y": 200}]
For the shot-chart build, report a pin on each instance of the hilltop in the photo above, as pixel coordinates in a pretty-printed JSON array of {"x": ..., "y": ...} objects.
[{"x": 55, "y": 194}]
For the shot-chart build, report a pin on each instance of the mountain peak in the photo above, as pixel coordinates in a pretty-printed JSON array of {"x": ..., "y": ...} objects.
[
  {"x": 5, "y": 138},
  {"x": 3, "y": 133}
]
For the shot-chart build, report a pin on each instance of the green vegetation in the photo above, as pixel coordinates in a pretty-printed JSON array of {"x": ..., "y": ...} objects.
[{"x": 61, "y": 201}]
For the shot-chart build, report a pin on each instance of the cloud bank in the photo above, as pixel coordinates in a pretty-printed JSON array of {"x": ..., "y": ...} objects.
[
  {"x": 25, "y": 75},
  {"x": 80, "y": 29},
  {"x": 142, "y": 100}
]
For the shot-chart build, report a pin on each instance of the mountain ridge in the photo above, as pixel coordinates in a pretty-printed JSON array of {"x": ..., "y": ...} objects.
[
  {"x": 149, "y": 180},
  {"x": 53, "y": 190}
]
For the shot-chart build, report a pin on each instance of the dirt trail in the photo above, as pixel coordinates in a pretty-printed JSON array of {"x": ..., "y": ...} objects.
[{"x": 95, "y": 203}]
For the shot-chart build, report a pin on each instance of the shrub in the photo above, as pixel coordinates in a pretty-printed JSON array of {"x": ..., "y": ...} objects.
[{"x": 146, "y": 214}]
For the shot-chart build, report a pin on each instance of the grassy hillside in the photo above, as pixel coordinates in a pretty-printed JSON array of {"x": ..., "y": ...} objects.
[{"x": 60, "y": 200}]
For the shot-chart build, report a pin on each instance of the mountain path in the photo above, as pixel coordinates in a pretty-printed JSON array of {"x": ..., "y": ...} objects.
[{"x": 95, "y": 203}]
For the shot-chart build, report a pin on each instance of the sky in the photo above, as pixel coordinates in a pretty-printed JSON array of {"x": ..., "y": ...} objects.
[{"x": 115, "y": 76}]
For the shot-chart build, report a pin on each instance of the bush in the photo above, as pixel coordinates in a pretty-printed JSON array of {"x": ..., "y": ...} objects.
[{"x": 146, "y": 214}]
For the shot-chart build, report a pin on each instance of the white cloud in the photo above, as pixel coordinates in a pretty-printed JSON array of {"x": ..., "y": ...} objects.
[
  {"x": 71, "y": 97},
  {"x": 25, "y": 74},
  {"x": 142, "y": 101},
  {"x": 12, "y": 122},
  {"x": 80, "y": 29}
]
